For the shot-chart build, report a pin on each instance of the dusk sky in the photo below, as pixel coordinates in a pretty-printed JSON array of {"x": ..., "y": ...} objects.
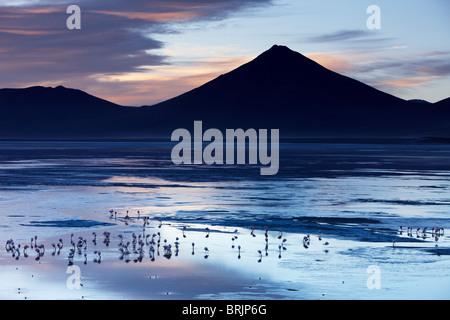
[{"x": 139, "y": 52}]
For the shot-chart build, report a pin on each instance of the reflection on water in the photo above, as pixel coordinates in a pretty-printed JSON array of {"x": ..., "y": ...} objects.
[{"x": 356, "y": 195}]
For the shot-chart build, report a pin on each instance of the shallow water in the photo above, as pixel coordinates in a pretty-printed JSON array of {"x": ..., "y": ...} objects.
[{"x": 356, "y": 195}]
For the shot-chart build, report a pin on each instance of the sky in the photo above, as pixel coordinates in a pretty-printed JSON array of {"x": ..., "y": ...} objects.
[{"x": 140, "y": 52}]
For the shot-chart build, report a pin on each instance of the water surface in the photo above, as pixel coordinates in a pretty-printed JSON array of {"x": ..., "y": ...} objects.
[{"x": 355, "y": 196}]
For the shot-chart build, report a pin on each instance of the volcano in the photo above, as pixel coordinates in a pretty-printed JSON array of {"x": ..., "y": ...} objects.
[{"x": 279, "y": 89}]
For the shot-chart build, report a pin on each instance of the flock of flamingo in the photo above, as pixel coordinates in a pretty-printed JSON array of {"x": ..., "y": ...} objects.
[
  {"x": 135, "y": 248},
  {"x": 155, "y": 245},
  {"x": 436, "y": 233}
]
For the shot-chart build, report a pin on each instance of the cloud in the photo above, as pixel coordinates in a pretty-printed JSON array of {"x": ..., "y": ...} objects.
[
  {"x": 388, "y": 69},
  {"x": 157, "y": 83},
  {"x": 381, "y": 61},
  {"x": 175, "y": 16},
  {"x": 116, "y": 38},
  {"x": 340, "y": 36},
  {"x": 28, "y": 32},
  {"x": 408, "y": 82},
  {"x": 355, "y": 36}
]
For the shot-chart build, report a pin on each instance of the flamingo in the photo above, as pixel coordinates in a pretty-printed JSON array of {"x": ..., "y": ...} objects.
[
  {"x": 306, "y": 241},
  {"x": 39, "y": 254},
  {"x": 424, "y": 233},
  {"x": 409, "y": 232},
  {"x": 283, "y": 242},
  {"x": 177, "y": 247},
  {"x": 60, "y": 246},
  {"x": 99, "y": 256},
  {"x": 16, "y": 250},
  {"x": 9, "y": 244},
  {"x": 41, "y": 248},
  {"x": 107, "y": 238},
  {"x": 168, "y": 251},
  {"x": 281, "y": 234},
  {"x": 326, "y": 243}
]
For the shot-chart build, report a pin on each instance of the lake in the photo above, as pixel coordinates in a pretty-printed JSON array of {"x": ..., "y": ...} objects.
[{"x": 326, "y": 226}]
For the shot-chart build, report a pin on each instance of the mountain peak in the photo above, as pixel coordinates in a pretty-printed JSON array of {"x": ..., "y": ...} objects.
[
  {"x": 280, "y": 48},
  {"x": 280, "y": 51},
  {"x": 280, "y": 57}
]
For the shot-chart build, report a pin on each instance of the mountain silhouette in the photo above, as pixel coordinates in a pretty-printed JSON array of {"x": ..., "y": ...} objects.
[
  {"x": 283, "y": 89},
  {"x": 279, "y": 89},
  {"x": 52, "y": 112},
  {"x": 443, "y": 103}
]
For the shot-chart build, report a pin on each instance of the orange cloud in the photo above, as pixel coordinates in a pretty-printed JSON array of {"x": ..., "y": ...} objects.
[
  {"x": 28, "y": 32},
  {"x": 42, "y": 10},
  {"x": 154, "y": 84},
  {"x": 343, "y": 61},
  {"x": 154, "y": 16},
  {"x": 181, "y": 5},
  {"x": 330, "y": 60},
  {"x": 409, "y": 82}
]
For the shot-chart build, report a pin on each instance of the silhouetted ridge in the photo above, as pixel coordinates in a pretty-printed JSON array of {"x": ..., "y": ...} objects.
[
  {"x": 46, "y": 111},
  {"x": 279, "y": 89},
  {"x": 443, "y": 103}
]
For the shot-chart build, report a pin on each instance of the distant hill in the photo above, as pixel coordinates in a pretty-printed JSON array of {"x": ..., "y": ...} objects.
[
  {"x": 443, "y": 103},
  {"x": 279, "y": 89},
  {"x": 44, "y": 111}
]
